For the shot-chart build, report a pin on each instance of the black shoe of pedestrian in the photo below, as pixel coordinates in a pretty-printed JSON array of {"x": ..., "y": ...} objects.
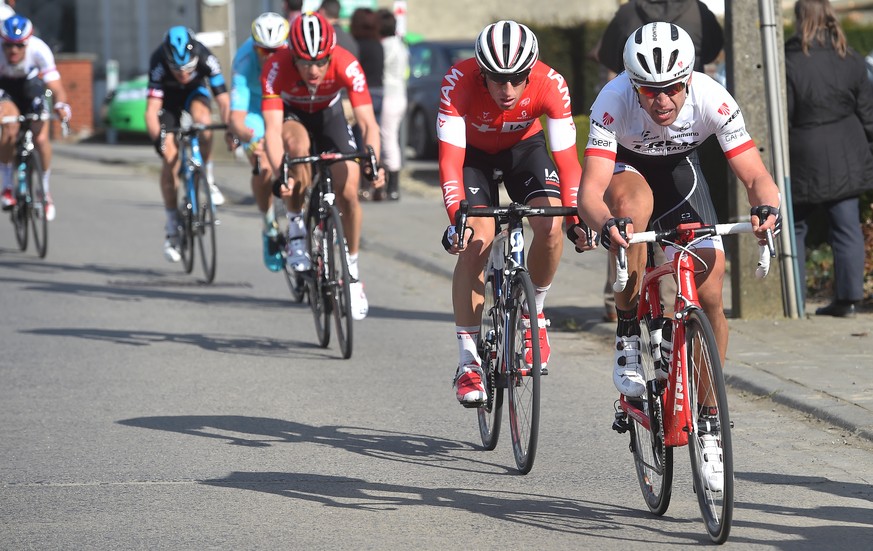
[{"x": 837, "y": 310}]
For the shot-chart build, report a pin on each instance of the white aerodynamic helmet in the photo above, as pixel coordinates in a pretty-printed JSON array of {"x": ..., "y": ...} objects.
[
  {"x": 659, "y": 54},
  {"x": 270, "y": 30},
  {"x": 506, "y": 48}
]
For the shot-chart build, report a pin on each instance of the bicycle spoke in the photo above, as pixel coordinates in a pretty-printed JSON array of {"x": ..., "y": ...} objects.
[
  {"x": 37, "y": 204},
  {"x": 204, "y": 226},
  {"x": 490, "y": 351},
  {"x": 523, "y": 385},
  {"x": 339, "y": 282},
  {"x": 711, "y": 435}
]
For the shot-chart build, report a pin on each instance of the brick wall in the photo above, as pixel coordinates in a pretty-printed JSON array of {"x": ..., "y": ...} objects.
[{"x": 77, "y": 76}]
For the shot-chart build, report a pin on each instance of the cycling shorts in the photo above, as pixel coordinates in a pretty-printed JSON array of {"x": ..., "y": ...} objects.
[
  {"x": 28, "y": 94},
  {"x": 328, "y": 128},
  {"x": 526, "y": 170},
  {"x": 177, "y": 100},
  {"x": 680, "y": 191}
]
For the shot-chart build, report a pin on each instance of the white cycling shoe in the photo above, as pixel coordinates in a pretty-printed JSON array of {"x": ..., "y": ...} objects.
[
  {"x": 172, "y": 250},
  {"x": 712, "y": 463},
  {"x": 360, "y": 306},
  {"x": 217, "y": 196},
  {"x": 627, "y": 375}
]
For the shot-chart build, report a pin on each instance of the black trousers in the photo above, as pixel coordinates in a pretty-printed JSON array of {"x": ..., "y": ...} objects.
[{"x": 846, "y": 240}]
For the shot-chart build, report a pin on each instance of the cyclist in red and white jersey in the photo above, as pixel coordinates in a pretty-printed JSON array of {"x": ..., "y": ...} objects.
[
  {"x": 642, "y": 170},
  {"x": 489, "y": 131},
  {"x": 301, "y": 96}
]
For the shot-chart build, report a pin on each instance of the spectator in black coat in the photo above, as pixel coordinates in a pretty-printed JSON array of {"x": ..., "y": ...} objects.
[
  {"x": 364, "y": 28},
  {"x": 692, "y": 15},
  {"x": 830, "y": 123}
]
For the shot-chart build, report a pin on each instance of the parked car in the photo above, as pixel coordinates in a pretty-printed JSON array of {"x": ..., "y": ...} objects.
[
  {"x": 124, "y": 107},
  {"x": 429, "y": 61}
]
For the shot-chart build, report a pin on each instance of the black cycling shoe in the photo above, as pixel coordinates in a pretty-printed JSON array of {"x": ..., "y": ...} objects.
[{"x": 837, "y": 309}]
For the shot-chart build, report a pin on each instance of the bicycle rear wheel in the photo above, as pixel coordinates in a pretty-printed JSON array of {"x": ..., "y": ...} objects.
[
  {"x": 490, "y": 337},
  {"x": 708, "y": 398},
  {"x": 523, "y": 383},
  {"x": 204, "y": 226},
  {"x": 339, "y": 281},
  {"x": 653, "y": 461},
  {"x": 318, "y": 298},
  {"x": 37, "y": 207}
]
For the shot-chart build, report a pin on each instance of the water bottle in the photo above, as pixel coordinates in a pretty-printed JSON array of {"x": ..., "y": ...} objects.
[{"x": 22, "y": 177}]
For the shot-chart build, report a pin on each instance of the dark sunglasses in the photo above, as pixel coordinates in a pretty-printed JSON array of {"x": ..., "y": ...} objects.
[
  {"x": 310, "y": 62},
  {"x": 655, "y": 91},
  {"x": 515, "y": 80},
  {"x": 10, "y": 45}
]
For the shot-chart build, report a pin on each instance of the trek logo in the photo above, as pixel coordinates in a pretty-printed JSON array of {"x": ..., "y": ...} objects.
[
  {"x": 452, "y": 79},
  {"x": 678, "y": 403},
  {"x": 562, "y": 87},
  {"x": 724, "y": 109},
  {"x": 608, "y": 119},
  {"x": 551, "y": 176}
]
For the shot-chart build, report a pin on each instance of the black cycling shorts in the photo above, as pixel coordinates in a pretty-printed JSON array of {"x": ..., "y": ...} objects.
[
  {"x": 28, "y": 94},
  {"x": 328, "y": 128},
  {"x": 526, "y": 170},
  {"x": 177, "y": 100},
  {"x": 678, "y": 186}
]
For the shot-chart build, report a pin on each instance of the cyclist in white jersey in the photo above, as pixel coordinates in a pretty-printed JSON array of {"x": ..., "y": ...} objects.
[
  {"x": 642, "y": 166},
  {"x": 27, "y": 69}
]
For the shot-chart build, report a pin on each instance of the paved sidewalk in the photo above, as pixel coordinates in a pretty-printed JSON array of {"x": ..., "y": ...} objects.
[{"x": 820, "y": 365}]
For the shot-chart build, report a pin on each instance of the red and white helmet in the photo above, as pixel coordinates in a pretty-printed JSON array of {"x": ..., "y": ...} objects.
[
  {"x": 506, "y": 48},
  {"x": 312, "y": 37},
  {"x": 659, "y": 54}
]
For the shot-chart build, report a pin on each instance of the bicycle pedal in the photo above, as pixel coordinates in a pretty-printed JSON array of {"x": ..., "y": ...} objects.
[
  {"x": 620, "y": 424},
  {"x": 544, "y": 371}
]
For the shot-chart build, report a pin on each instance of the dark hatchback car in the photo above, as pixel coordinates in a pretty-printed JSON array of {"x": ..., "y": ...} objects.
[{"x": 429, "y": 61}]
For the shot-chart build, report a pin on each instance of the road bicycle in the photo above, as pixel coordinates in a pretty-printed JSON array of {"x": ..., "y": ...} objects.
[
  {"x": 689, "y": 405},
  {"x": 197, "y": 214},
  {"x": 29, "y": 212},
  {"x": 327, "y": 283},
  {"x": 508, "y": 314}
]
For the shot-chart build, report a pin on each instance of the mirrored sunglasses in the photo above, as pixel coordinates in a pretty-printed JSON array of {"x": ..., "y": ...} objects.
[
  {"x": 655, "y": 91},
  {"x": 265, "y": 51},
  {"x": 515, "y": 80},
  {"x": 188, "y": 67}
]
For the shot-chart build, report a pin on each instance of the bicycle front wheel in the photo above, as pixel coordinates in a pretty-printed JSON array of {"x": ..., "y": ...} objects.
[
  {"x": 490, "y": 335},
  {"x": 317, "y": 291},
  {"x": 339, "y": 282},
  {"x": 20, "y": 215},
  {"x": 653, "y": 460},
  {"x": 204, "y": 226},
  {"x": 712, "y": 427},
  {"x": 523, "y": 382},
  {"x": 37, "y": 207},
  {"x": 185, "y": 221}
]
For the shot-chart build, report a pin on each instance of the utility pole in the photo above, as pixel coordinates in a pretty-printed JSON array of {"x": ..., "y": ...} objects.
[
  {"x": 217, "y": 31},
  {"x": 750, "y": 297}
]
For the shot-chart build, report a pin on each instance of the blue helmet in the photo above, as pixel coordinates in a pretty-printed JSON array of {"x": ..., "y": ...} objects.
[
  {"x": 179, "y": 47},
  {"x": 16, "y": 29}
]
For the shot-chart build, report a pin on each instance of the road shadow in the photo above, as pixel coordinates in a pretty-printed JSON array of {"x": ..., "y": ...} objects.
[
  {"x": 547, "y": 512},
  {"x": 249, "y": 346}
]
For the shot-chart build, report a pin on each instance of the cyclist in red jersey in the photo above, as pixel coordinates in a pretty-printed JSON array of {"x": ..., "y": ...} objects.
[
  {"x": 301, "y": 97},
  {"x": 489, "y": 131}
]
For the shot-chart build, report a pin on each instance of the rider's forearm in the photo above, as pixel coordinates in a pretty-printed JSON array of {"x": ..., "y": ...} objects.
[{"x": 59, "y": 95}]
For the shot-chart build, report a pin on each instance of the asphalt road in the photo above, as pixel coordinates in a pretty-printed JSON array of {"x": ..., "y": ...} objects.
[{"x": 141, "y": 409}]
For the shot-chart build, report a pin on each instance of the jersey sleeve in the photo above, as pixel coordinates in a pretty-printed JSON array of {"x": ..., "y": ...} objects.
[
  {"x": 452, "y": 139},
  {"x": 211, "y": 67},
  {"x": 562, "y": 136},
  {"x": 351, "y": 73},
  {"x": 240, "y": 95},
  {"x": 730, "y": 126},
  {"x": 156, "y": 73},
  {"x": 270, "y": 99},
  {"x": 45, "y": 60},
  {"x": 605, "y": 112}
]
